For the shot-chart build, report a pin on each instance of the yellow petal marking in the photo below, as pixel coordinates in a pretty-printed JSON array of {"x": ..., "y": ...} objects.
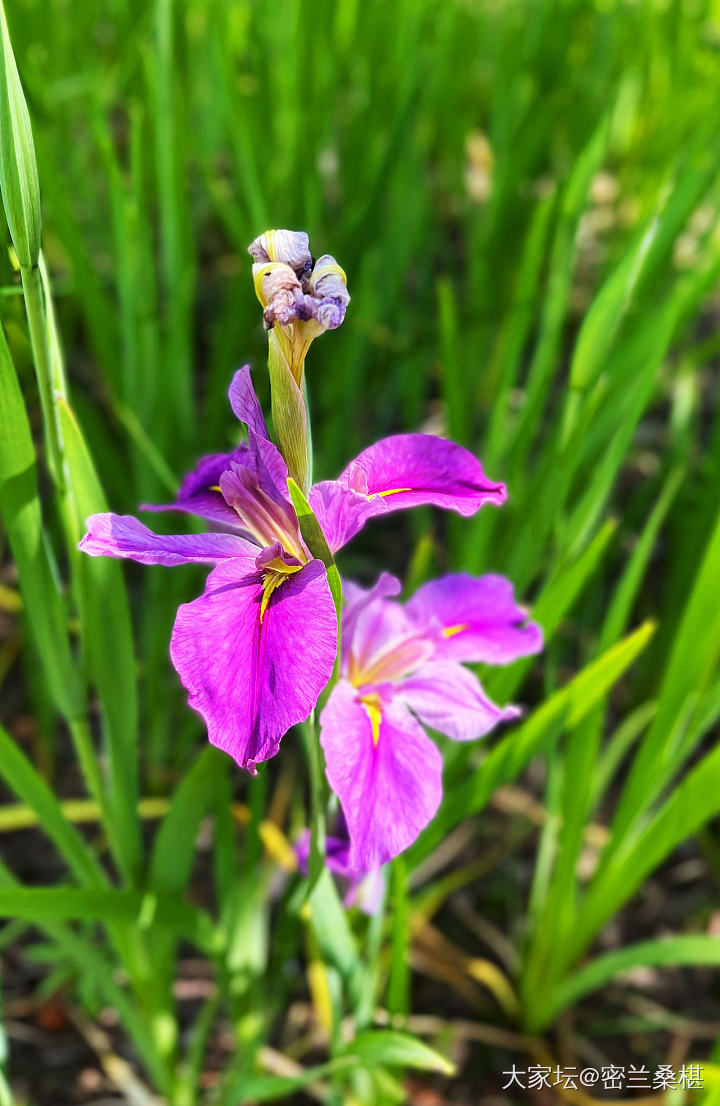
[
  {"x": 276, "y": 574},
  {"x": 450, "y": 631},
  {"x": 215, "y": 488},
  {"x": 394, "y": 491},
  {"x": 372, "y": 708},
  {"x": 324, "y": 270},
  {"x": 270, "y": 244}
]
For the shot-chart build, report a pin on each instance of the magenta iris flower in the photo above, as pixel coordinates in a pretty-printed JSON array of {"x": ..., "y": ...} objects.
[
  {"x": 255, "y": 650},
  {"x": 402, "y": 669}
]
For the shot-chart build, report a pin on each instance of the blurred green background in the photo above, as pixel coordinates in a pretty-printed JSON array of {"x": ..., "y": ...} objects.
[{"x": 524, "y": 196}]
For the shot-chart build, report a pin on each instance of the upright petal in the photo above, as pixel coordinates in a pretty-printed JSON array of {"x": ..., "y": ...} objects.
[
  {"x": 200, "y": 490},
  {"x": 357, "y": 598},
  {"x": 245, "y": 403},
  {"x": 478, "y": 617},
  {"x": 389, "y": 789},
  {"x": 407, "y": 470},
  {"x": 124, "y": 536},
  {"x": 451, "y": 700},
  {"x": 257, "y": 492},
  {"x": 251, "y": 677}
]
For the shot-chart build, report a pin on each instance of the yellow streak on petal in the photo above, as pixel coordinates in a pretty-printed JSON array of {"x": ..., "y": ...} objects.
[
  {"x": 324, "y": 270},
  {"x": 450, "y": 631},
  {"x": 372, "y": 708},
  {"x": 215, "y": 488},
  {"x": 394, "y": 491},
  {"x": 276, "y": 574}
]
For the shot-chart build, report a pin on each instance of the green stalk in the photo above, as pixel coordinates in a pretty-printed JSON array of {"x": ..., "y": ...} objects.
[{"x": 318, "y": 831}]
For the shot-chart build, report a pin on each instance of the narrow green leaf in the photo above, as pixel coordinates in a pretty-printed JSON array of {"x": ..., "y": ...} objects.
[
  {"x": 61, "y": 904},
  {"x": 270, "y": 1088},
  {"x": 681, "y": 951},
  {"x": 388, "y": 1047},
  {"x": 18, "y": 167},
  {"x": 21, "y": 516},
  {"x": 569, "y": 705},
  {"x": 173, "y": 852},
  {"x": 107, "y": 640},
  {"x": 29, "y": 786},
  {"x": 330, "y": 926}
]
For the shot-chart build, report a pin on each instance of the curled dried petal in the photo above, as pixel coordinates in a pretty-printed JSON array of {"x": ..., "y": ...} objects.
[
  {"x": 292, "y": 247},
  {"x": 328, "y": 285},
  {"x": 280, "y": 293}
]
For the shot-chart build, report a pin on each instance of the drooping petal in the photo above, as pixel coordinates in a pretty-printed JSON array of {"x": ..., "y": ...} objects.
[
  {"x": 451, "y": 700},
  {"x": 406, "y": 470},
  {"x": 252, "y": 678},
  {"x": 245, "y": 404},
  {"x": 200, "y": 490},
  {"x": 478, "y": 618},
  {"x": 111, "y": 535},
  {"x": 389, "y": 789}
]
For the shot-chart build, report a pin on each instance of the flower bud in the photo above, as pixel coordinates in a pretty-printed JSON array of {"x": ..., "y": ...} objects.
[
  {"x": 328, "y": 285},
  {"x": 289, "y": 246},
  {"x": 300, "y": 299},
  {"x": 280, "y": 292}
]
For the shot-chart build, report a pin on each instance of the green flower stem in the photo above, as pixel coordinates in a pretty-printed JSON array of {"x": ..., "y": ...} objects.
[
  {"x": 318, "y": 833},
  {"x": 289, "y": 413}
]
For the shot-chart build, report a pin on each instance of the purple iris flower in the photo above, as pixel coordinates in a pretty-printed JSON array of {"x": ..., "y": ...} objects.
[
  {"x": 402, "y": 669},
  {"x": 255, "y": 650}
]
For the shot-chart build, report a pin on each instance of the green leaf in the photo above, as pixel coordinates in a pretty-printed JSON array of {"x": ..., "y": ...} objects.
[
  {"x": 682, "y": 951},
  {"x": 61, "y": 904},
  {"x": 698, "y": 636},
  {"x": 388, "y": 1047},
  {"x": 270, "y": 1088},
  {"x": 22, "y": 519},
  {"x": 29, "y": 786},
  {"x": 18, "y": 167},
  {"x": 173, "y": 852},
  {"x": 569, "y": 705},
  {"x": 107, "y": 640},
  {"x": 330, "y": 926}
]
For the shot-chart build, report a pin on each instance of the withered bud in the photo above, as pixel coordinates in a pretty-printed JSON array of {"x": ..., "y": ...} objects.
[
  {"x": 280, "y": 293},
  {"x": 292, "y": 247}
]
